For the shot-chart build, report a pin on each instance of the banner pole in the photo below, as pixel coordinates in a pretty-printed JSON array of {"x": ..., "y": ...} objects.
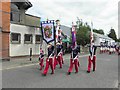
[{"x": 55, "y": 38}]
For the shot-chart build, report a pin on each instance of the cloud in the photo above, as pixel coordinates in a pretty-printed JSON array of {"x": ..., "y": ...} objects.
[{"x": 103, "y": 13}]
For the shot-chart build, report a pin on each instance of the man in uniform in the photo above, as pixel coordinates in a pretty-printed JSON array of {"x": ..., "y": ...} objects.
[
  {"x": 118, "y": 49},
  {"x": 49, "y": 60},
  {"x": 74, "y": 60},
  {"x": 110, "y": 51},
  {"x": 59, "y": 57},
  {"x": 101, "y": 48},
  {"x": 92, "y": 58},
  {"x": 41, "y": 59}
]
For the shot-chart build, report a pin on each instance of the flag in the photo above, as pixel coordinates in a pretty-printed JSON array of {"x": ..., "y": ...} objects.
[
  {"x": 47, "y": 28},
  {"x": 91, "y": 41},
  {"x": 57, "y": 28},
  {"x": 73, "y": 36},
  {"x": 58, "y": 32}
]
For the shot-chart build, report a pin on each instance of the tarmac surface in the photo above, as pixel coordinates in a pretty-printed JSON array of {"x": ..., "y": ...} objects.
[{"x": 26, "y": 74}]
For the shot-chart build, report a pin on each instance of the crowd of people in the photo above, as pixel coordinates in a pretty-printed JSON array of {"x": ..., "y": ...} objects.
[
  {"x": 55, "y": 53},
  {"x": 110, "y": 49},
  {"x": 53, "y": 59}
]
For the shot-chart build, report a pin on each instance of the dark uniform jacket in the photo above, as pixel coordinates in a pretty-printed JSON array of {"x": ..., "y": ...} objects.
[
  {"x": 51, "y": 51},
  {"x": 75, "y": 51},
  {"x": 94, "y": 51},
  {"x": 59, "y": 48}
]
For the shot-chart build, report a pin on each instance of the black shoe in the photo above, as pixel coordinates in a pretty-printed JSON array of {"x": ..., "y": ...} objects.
[
  {"x": 93, "y": 70},
  {"x": 43, "y": 74},
  {"x": 51, "y": 73},
  {"x": 88, "y": 71},
  {"x": 76, "y": 72},
  {"x": 60, "y": 67},
  {"x": 69, "y": 73}
]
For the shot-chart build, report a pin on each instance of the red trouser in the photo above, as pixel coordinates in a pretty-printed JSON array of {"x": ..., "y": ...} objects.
[
  {"x": 62, "y": 58},
  {"x": 118, "y": 51},
  {"x": 41, "y": 63},
  {"x": 55, "y": 62},
  {"x": 110, "y": 52},
  {"x": 49, "y": 63},
  {"x": 91, "y": 61},
  {"x": 59, "y": 60},
  {"x": 76, "y": 63}
]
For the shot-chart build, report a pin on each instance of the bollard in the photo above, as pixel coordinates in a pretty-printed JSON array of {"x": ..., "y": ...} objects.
[{"x": 30, "y": 54}]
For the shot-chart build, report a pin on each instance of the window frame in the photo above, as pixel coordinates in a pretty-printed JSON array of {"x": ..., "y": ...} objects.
[
  {"x": 31, "y": 39},
  {"x": 19, "y": 38},
  {"x": 12, "y": 19},
  {"x": 38, "y": 42}
]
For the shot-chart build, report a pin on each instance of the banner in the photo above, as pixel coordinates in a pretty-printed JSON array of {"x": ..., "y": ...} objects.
[
  {"x": 73, "y": 36},
  {"x": 48, "y": 31}
]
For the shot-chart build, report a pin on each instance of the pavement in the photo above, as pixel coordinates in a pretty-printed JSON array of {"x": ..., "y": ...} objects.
[
  {"x": 18, "y": 61},
  {"x": 105, "y": 76}
]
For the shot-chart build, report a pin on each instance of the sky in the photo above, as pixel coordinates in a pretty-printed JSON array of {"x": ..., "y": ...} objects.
[{"x": 103, "y": 13}]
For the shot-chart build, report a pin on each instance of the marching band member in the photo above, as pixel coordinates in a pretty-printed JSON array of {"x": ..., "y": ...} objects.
[
  {"x": 114, "y": 49},
  {"x": 75, "y": 51},
  {"x": 118, "y": 49},
  {"x": 41, "y": 59},
  {"x": 101, "y": 48},
  {"x": 110, "y": 50},
  {"x": 92, "y": 50},
  {"x": 92, "y": 58},
  {"x": 49, "y": 60},
  {"x": 107, "y": 48},
  {"x": 74, "y": 60},
  {"x": 59, "y": 57}
]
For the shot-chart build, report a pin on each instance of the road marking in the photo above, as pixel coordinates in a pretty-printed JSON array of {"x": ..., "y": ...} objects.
[
  {"x": 30, "y": 64},
  {"x": 84, "y": 55},
  {"x": 19, "y": 66}
]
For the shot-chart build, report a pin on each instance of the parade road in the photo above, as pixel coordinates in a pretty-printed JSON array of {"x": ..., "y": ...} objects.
[{"x": 106, "y": 75}]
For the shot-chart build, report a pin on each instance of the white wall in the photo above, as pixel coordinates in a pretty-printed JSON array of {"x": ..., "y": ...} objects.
[
  {"x": 97, "y": 41},
  {"x": 100, "y": 39},
  {"x": 24, "y": 49}
]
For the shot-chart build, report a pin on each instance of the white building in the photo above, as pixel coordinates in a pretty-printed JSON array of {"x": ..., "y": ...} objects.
[
  {"x": 102, "y": 38},
  {"x": 22, "y": 38},
  {"x": 25, "y": 32}
]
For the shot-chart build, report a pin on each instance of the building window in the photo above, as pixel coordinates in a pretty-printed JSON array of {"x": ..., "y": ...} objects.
[
  {"x": 15, "y": 38},
  {"x": 28, "y": 38},
  {"x": 15, "y": 16},
  {"x": 38, "y": 39}
]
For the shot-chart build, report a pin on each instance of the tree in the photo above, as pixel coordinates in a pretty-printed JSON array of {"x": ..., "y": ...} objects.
[
  {"x": 118, "y": 40},
  {"x": 82, "y": 36},
  {"x": 83, "y": 33},
  {"x": 100, "y": 31},
  {"x": 112, "y": 34}
]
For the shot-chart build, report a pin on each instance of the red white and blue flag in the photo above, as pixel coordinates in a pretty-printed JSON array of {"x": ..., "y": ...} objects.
[
  {"x": 91, "y": 41},
  {"x": 57, "y": 28},
  {"x": 58, "y": 32},
  {"x": 74, "y": 44}
]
